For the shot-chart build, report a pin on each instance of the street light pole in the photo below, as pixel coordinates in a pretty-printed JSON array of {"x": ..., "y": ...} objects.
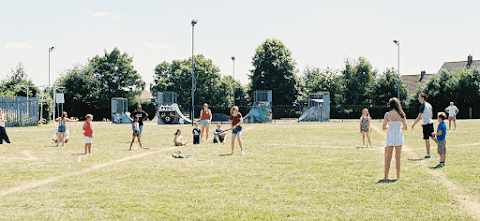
[
  {"x": 193, "y": 71},
  {"x": 50, "y": 49},
  {"x": 233, "y": 83},
  {"x": 398, "y": 69}
]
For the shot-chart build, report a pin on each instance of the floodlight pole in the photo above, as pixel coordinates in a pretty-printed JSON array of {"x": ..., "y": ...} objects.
[
  {"x": 233, "y": 79},
  {"x": 50, "y": 49},
  {"x": 193, "y": 71},
  {"x": 397, "y": 42}
]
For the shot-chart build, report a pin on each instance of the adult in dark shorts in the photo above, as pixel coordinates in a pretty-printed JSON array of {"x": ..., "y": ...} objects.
[
  {"x": 426, "y": 114},
  {"x": 141, "y": 114}
]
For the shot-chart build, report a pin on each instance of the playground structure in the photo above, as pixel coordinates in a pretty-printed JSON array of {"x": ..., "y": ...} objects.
[
  {"x": 318, "y": 107},
  {"x": 261, "y": 111},
  {"x": 168, "y": 111},
  {"x": 120, "y": 114},
  {"x": 20, "y": 111}
]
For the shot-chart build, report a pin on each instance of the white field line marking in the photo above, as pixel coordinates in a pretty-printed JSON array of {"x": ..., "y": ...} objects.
[
  {"x": 470, "y": 204},
  {"x": 87, "y": 170},
  {"x": 28, "y": 154}
]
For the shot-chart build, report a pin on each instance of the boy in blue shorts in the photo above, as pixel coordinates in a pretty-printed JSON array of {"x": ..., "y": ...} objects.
[{"x": 441, "y": 141}]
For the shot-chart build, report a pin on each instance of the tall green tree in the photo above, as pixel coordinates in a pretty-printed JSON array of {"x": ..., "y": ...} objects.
[
  {"x": 103, "y": 78},
  {"x": 10, "y": 86},
  {"x": 274, "y": 69},
  {"x": 385, "y": 87},
  {"x": 359, "y": 78},
  {"x": 317, "y": 80},
  {"x": 210, "y": 87}
]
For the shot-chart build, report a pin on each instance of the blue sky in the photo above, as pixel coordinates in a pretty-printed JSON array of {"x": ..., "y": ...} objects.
[{"x": 319, "y": 33}]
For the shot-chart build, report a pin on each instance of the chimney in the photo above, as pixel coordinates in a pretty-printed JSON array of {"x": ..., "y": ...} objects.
[{"x": 469, "y": 61}]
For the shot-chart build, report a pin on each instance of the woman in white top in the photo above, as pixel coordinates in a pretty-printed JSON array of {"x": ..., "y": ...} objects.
[
  {"x": 3, "y": 132},
  {"x": 394, "y": 120},
  {"x": 452, "y": 111}
]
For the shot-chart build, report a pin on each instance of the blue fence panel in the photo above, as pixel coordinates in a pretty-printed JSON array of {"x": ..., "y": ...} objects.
[{"x": 21, "y": 111}]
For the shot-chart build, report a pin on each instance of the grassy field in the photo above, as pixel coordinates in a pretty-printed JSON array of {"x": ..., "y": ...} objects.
[{"x": 290, "y": 171}]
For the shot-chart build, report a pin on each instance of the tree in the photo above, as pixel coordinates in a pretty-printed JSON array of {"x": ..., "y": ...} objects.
[
  {"x": 9, "y": 87},
  {"x": 317, "y": 80},
  {"x": 104, "y": 77},
  {"x": 359, "y": 77},
  {"x": 210, "y": 87},
  {"x": 385, "y": 87},
  {"x": 274, "y": 69}
]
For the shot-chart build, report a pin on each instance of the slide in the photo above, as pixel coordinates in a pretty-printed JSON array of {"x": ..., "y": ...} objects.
[
  {"x": 171, "y": 114},
  {"x": 261, "y": 112}
]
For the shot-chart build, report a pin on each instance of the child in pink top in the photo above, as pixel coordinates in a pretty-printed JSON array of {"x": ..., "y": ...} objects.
[{"x": 87, "y": 127}]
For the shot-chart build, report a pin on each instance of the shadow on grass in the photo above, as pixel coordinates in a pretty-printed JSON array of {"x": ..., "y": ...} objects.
[
  {"x": 225, "y": 155},
  {"x": 386, "y": 181},
  {"x": 77, "y": 154}
]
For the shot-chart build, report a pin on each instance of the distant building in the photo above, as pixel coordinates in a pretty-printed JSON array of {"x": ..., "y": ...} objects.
[
  {"x": 413, "y": 80},
  {"x": 469, "y": 64},
  {"x": 146, "y": 95}
]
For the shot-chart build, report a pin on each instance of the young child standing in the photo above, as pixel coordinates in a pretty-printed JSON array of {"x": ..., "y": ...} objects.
[
  {"x": 365, "y": 126},
  {"x": 136, "y": 132},
  {"x": 196, "y": 134},
  {"x": 178, "y": 139},
  {"x": 441, "y": 141},
  {"x": 87, "y": 127},
  {"x": 236, "y": 120}
]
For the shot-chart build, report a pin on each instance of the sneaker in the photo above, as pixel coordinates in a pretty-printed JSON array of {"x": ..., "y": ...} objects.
[
  {"x": 427, "y": 156},
  {"x": 243, "y": 152},
  {"x": 371, "y": 146},
  {"x": 440, "y": 165},
  {"x": 364, "y": 146}
]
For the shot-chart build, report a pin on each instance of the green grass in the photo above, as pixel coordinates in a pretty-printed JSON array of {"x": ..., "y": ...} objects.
[{"x": 307, "y": 171}]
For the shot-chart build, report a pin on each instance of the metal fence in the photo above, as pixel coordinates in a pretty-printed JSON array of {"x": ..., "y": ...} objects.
[{"x": 20, "y": 111}]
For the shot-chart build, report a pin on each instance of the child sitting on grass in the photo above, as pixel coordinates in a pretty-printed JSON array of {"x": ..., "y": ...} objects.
[
  {"x": 441, "y": 141},
  {"x": 178, "y": 139},
  {"x": 219, "y": 135}
]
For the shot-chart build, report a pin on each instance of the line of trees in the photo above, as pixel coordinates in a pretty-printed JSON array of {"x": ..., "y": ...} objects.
[{"x": 89, "y": 88}]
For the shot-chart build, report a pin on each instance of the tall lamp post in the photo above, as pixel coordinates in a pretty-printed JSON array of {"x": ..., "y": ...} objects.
[
  {"x": 233, "y": 83},
  {"x": 194, "y": 22},
  {"x": 397, "y": 42},
  {"x": 50, "y": 49}
]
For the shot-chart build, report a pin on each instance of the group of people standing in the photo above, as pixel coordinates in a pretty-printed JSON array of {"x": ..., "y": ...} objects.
[
  {"x": 236, "y": 121},
  {"x": 395, "y": 122}
]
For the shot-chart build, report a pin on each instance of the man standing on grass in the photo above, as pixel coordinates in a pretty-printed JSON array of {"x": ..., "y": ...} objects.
[
  {"x": 141, "y": 114},
  {"x": 426, "y": 115}
]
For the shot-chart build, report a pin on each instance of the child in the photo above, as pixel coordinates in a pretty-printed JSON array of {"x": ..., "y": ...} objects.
[
  {"x": 62, "y": 127},
  {"x": 219, "y": 135},
  {"x": 178, "y": 139},
  {"x": 236, "y": 120},
  {"x": 87, "y": 127},
  {"x": 365, "y": 126},
  {"x": 136, "y": 132},
  {"x": 3, "y": 132},
  {"x": 196, "y": 134},
  {"x": 441, "y": 141}
]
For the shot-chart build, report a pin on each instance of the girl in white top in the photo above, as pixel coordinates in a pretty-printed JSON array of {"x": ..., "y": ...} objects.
[
  {"x": 3, "y": 132},
  {"x": 178, "y": 139},
  {"x": 452, "y": 111},
  {"x": 395, "y": 121}
]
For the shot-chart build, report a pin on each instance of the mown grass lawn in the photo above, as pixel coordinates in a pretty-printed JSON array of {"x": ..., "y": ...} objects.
[{"x": 291, "y": 171}]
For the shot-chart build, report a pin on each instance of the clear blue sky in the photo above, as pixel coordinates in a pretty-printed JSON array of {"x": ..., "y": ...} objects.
[{"x": 319, "y": 33}]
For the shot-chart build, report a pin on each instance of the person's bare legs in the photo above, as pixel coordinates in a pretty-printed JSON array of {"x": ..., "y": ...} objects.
[
  {"x": 239, "y": 138},
  {"x": 450, "y": 123},
  {"x": 398, "y": 152},
  {"x": 202, "y": 129},
  {"x": 388, "y": 159},
  {"x": 427, "y": 145},
  {"x": 131, "y": 143},
  {"x": 140, "y": 142},
  {"x": 368, "y": 137},
  {"x": 363, "y": 136},
  {"x": 62, "y": 135},
  {"x": 455, "y": 122},
  {"x": 233, "y": 142},
  {"x": 86, "y": 148},
  {"x": 207, "y": 127},
  {"x": 90, "y": 148}
]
